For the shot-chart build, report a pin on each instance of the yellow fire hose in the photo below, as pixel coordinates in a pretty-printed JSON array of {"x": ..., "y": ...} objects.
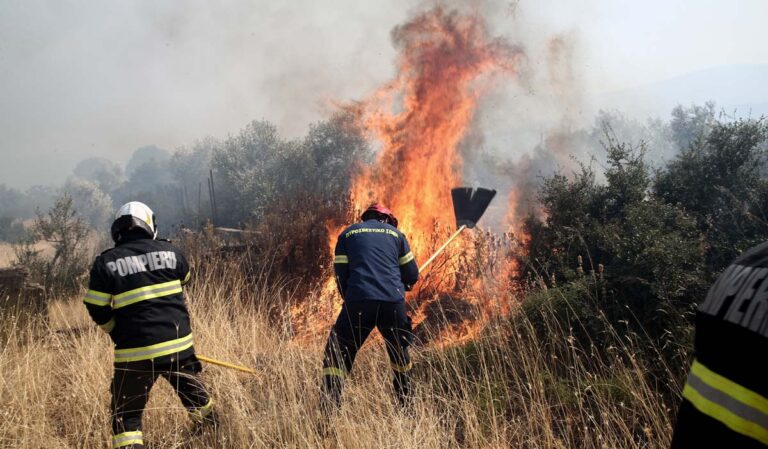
[{"x": 203, "y": 358}]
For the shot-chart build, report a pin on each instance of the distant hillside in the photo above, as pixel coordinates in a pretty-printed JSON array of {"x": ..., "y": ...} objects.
[{"x": 739, "y": 89}]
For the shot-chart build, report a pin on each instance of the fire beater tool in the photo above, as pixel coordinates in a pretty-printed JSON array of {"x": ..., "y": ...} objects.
[{"x": 469, "y": 204}]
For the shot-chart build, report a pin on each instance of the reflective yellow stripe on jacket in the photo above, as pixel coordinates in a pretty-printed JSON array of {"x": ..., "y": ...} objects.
[
  {"x": 405, "y": 259},
  {"x": 144, "y": 293},
  {"x": 97, "y": 298},
  {"x": 201, "y": 413},
  {"x": 739, "y": 408},
  {"x": 153, "y": 351},
  {"x": 127, "y": 439},
  {"x": 331, "y": 371}
]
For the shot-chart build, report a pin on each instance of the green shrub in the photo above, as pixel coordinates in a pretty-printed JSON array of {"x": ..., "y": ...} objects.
[{"x": 61, "y": 226}]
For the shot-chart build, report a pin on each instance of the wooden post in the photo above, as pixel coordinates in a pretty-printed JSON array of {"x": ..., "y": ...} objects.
[
  {"x": 213, "y": 198},
  {"x": 210, "y": 202},
  {"x": 199, "y": 203}
]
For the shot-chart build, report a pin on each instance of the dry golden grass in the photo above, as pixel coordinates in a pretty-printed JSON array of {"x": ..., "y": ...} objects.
[{"x": 497, "y": 392}]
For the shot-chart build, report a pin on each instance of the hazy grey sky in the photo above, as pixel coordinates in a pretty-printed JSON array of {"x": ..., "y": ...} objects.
[{"x": 101, "y": 78}]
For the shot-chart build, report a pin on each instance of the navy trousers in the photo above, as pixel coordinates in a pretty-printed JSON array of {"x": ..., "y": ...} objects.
[{"x": 355, "y": 322}]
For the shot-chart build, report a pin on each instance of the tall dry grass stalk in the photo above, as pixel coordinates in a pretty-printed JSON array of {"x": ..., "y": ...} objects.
[{"x": 501, "y": 390}]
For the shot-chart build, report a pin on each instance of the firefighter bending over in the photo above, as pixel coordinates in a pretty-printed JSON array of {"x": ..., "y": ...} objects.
[
  {"x": 135, "y": 294},
  {"x": 374, "y": 267},
  {"x": 725, "y": 400}
]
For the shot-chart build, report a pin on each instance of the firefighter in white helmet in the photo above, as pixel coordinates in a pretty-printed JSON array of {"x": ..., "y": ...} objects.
[{"x": 135, "y": 294}]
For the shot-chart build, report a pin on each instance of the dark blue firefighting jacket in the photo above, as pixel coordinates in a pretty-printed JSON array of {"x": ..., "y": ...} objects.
[{"x": 373, "y": 261}]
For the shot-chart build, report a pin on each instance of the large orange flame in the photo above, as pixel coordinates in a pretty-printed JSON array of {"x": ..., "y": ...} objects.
[
  {"x": 447, "y": 61},
  {"x": 445, "y": 64}
]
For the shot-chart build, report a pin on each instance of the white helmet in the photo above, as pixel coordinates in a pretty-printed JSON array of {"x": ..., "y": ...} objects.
[{"x": 134, "y": 216}]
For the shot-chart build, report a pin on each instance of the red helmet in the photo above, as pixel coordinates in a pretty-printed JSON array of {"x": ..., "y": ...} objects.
[{"x": 379, "y": 212}]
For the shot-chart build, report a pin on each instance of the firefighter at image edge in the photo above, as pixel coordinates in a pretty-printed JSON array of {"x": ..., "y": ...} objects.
[
  {"x": 374, "y": 266},
  {"x": 135, "y": 294},
  {"x": 725, "y": 399}
]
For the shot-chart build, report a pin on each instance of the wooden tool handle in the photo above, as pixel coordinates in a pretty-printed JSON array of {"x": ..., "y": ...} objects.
[
  {"x": 224, "y": 364},
  {"x": 442, "y": 248}
]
